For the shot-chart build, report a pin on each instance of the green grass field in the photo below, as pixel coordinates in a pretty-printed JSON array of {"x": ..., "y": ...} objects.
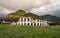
[{"x": 14, "y": 31}]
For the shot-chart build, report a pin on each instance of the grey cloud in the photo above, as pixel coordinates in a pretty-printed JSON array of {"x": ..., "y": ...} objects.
[
  {"x": 39, "y": 7},
  {"x": 4, "y": 12},
  {"x": 8, "y": 6},
  {"x": 53, "y": 8},
  {"x": 22, "y": 4}
]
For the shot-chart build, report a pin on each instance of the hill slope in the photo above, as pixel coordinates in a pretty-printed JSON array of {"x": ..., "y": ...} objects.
[
  {"x": 22, "y": 13},
  {"x": 19, "y": 13}
]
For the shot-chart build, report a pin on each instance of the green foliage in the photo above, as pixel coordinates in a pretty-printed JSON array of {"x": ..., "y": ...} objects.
[
  {"x": 57, "y": 23},
  {"x": 14, "y": 31}
]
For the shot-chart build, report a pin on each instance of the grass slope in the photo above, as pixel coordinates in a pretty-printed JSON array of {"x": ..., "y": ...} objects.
[{"x": 14, "y": 31}]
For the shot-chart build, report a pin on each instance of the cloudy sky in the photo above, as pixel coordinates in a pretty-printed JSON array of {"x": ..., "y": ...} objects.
[{"x": 39, "y": 7}]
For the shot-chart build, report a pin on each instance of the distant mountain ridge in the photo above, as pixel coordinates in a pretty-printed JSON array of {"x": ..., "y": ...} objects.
[
  {"x": 50, "y": 18},
  {"x": 22, "y": 13}
]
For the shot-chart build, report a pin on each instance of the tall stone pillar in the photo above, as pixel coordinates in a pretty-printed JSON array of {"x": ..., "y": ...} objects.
[
  {"x": 39, "y": 23},
  {"x": 23, "y": 23},
  {"x": 30, "y": 24},
  {"x": 33, "y": 24},
  {"x": 20, "y": 23},
  {"x": 36, "y": 23}
]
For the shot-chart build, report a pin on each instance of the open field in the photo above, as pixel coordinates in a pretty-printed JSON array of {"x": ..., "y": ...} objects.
[{"x": 14, "y": 31}]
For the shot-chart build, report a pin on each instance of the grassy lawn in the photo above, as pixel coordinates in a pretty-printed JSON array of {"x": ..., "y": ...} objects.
[{"x": 14, "y": 31}]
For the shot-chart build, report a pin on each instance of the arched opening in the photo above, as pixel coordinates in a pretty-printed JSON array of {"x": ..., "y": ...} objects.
[
  {"x": 40, "y": 24},
  {"x": 21, "y": 19},
  {"x": 37, "y": 24},
  {"x": 31, "y": 24},
  {"x": 24, "y": 19},
  {"x": 28, "y": 19},
  {"x": 25, "y": 24},
  {"x": 28, "y": 24},
  {"x": 34, "y": 24},
  {"x": 21, "y": 23}
]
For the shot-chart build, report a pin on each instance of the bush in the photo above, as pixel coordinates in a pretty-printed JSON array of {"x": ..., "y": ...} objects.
[{"x": 54, "y": 23}]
